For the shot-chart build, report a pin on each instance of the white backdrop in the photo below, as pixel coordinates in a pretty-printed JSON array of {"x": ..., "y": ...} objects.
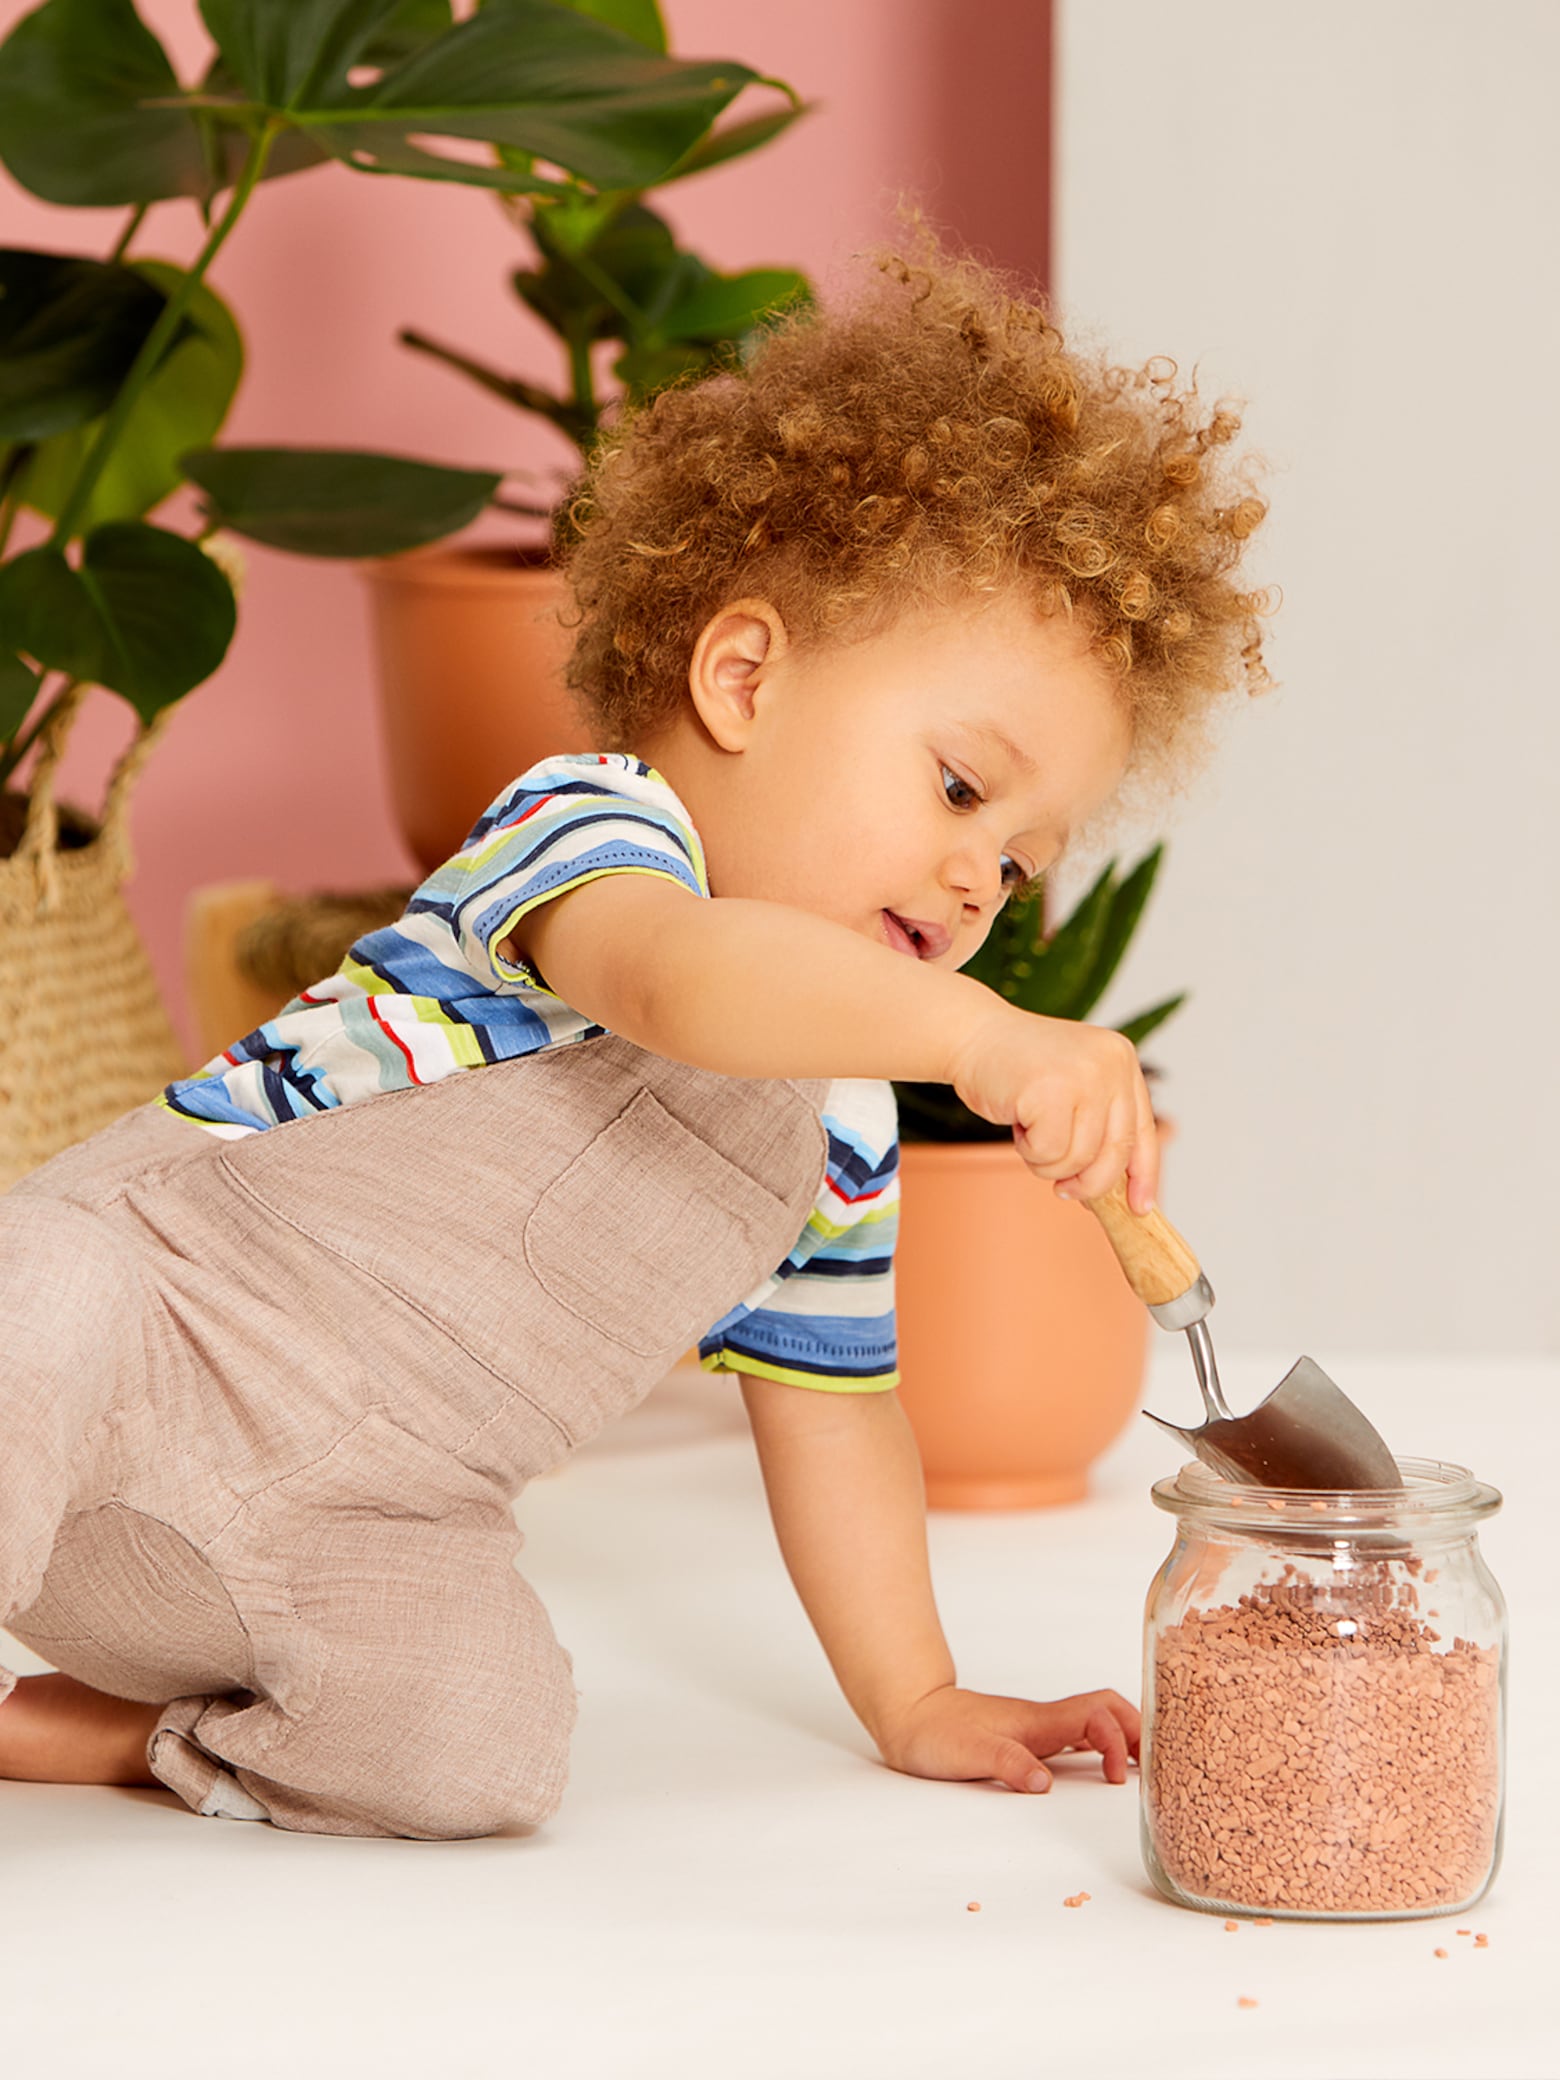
[{"x": 1347, "y": 215}]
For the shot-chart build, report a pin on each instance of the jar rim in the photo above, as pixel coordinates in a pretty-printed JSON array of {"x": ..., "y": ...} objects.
[{"x": 1434, "y": 1491}]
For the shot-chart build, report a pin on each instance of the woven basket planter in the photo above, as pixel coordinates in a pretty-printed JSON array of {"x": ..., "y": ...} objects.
[{"x": 84, "y": 1034}]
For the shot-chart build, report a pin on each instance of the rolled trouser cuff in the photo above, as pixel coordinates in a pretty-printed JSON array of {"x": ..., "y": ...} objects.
[{"x": 176, "y": 1759}]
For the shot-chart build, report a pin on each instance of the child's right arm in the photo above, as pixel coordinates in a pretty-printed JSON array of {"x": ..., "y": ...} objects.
[{"x": 752, "y": 988}]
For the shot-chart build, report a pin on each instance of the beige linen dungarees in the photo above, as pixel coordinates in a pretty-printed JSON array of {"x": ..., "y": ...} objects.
[{"x": 265, "y": 1404}]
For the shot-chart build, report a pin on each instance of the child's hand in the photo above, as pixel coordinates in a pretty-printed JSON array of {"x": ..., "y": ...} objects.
[
  {"x": 953, "y": 1733},
  {"x": 1074, "y": 1096}
]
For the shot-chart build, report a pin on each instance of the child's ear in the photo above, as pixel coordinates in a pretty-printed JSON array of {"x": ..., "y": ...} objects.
[{"x": 734, "y": 649}]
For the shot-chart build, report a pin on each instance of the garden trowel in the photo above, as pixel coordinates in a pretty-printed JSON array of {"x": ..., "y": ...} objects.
[{"x": 1306, "y": 1434}]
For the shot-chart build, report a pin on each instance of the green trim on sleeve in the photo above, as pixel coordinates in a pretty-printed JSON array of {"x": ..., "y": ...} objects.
[{"x": 730, "y": 1361}]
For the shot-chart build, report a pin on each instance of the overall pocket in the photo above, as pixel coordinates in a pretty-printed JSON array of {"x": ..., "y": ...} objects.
[{"x": 651, "y": 1234}]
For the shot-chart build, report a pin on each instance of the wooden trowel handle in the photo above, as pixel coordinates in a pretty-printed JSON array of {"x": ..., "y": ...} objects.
[{"x": 1159, "y": 1263}]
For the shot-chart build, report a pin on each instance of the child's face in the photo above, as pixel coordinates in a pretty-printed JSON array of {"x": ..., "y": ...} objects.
[{"x": 864, "y": 781}]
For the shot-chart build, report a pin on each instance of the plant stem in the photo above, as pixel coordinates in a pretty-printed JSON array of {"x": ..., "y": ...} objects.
[
  {"x": 559, "y": 411},
  {"x": 130, "y": 230},
  {"x": 511, "y": 388},
  {"x": 156, "y": 342},
  {"x": 23, "y": 741}
]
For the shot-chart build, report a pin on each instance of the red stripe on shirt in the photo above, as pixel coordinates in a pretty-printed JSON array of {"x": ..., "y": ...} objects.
[
  {"x": 373, "y": 1012},
  {"x": 542, "y": 804},
  {"x": 861, "y": 1198}
]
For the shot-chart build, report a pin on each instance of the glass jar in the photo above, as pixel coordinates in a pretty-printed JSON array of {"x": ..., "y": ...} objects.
[{"x": 1324, "y": 1699}]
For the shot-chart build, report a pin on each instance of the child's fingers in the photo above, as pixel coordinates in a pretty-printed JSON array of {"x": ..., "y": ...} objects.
[
  {"x": 1121, "y": 1715},
  {"x": 1106, "y": 1162},
  {"x": 1018, "y": 1768},
  {"x": 1143, "y": 1170},
  {"x": 1055, "y": 1134},
  {"x": 1099, "y": 1720},
  {"x": 1102, "y": 1720},
  {"x": 1109, "y": 1736},
  {"x": 1126, "y": 1713}
]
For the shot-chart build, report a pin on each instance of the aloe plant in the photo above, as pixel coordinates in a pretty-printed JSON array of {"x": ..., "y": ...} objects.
[
  {"x": 115, "y": 375},
  {"x": 1059, "y": 974}
]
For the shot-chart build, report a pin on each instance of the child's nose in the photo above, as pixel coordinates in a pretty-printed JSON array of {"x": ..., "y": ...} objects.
[{"x": 977, "y": 878}]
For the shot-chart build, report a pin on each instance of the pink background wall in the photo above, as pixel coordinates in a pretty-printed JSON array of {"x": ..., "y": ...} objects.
[{"x": 274, "y": 766}]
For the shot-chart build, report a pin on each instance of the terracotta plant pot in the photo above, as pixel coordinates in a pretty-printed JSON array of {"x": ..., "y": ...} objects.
[
  {"x": 471, "y": 657},
  {"x": 1022, "y": 1348}
]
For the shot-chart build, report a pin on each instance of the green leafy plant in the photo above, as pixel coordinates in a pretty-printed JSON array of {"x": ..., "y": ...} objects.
[
  {"x": 609, "y": 269},
  {"x": 116, "y": 375},
  {"x": 1060, "y": 974}
]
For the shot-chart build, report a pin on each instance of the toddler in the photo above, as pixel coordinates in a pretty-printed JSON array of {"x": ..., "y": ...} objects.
[{"x": 868, "y": 627}]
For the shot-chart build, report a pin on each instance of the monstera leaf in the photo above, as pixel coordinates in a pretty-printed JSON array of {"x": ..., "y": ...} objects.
[
  {"x": 92, "y": 113},
  {"x": 114, "y": 376}
]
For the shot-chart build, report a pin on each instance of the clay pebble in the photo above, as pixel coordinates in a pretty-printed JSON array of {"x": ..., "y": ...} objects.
[
  {"x": 1075, "y": 1899},
  {"x": 1310, "y": 1750},
  {"x": 973, "y": 1907}
]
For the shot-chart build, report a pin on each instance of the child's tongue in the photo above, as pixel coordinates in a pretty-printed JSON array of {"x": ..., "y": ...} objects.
[{"x": 904, "y": 938}]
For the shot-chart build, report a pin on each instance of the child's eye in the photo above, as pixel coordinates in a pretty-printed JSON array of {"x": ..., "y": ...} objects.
[
  {"x": 1014, "y": 875},
  {"x": 949, "y": 774}
]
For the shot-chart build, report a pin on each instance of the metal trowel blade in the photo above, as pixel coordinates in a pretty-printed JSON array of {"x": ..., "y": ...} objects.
[
  {"x": 1205, "y": 1445},
  {"x": 1307, "y": 1433}
]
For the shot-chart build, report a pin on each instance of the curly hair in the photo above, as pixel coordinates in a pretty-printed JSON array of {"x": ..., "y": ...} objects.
[{"x": 936, "y": 438}]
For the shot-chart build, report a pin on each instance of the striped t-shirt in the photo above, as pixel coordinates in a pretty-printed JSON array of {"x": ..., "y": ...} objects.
[{"x": 430, "y": 994}]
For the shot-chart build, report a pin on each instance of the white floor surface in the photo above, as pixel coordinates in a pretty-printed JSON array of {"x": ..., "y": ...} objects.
[{"x": 736, "y": 1888}]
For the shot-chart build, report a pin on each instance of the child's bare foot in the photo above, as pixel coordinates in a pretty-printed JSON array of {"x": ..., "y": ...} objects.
[{"x": 54, "y": 1730}]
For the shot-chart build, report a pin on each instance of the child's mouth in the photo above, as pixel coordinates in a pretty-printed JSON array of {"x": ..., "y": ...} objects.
[
  {"x": 900, "y": 937},
  {"x": 925, "y": 938}
]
